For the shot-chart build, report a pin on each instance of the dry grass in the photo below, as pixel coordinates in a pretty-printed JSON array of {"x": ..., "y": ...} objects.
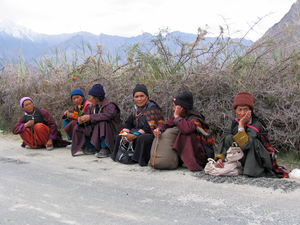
[{"x": 214, "y": 72}]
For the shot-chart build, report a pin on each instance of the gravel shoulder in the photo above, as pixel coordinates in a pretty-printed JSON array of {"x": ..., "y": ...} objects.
[{"x": 52, "y": 187}]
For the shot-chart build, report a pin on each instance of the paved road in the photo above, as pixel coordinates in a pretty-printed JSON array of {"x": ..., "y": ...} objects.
[{"x": 40, "y": 187}]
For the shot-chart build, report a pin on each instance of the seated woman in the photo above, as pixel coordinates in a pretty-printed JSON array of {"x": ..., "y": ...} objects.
[
  {"x": 256, "y": 160},
  {"x": 190, "y": 140},
  {"x": 37, "y": 128},
  {"x": 145, "y": 116},
  {"x": 98, "y": 129},
  {"x": 70, "y": 117}
]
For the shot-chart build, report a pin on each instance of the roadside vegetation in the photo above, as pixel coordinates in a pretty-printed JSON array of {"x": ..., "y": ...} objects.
[{"x": 214, "y": 72}]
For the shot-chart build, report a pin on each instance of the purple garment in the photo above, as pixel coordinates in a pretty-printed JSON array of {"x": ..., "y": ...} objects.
[{"x": 106, "y": 124}]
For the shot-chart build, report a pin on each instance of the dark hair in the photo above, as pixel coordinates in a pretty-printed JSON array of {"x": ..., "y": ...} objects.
[{"x": 98, "y": 98}]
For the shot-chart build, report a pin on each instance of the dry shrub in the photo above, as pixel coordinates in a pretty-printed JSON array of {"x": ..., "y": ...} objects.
[{"x": 214, "y": 72}]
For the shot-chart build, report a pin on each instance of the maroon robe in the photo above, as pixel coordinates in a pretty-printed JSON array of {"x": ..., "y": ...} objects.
[
  {"x": 190, "y": 150},
  {"x": 70, "y": 127},
  {"x": 106, "y": 123},
  {"x": 49, "y": 122}
]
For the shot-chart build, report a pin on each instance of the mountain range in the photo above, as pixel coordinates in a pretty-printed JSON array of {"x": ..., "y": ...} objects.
[{"x": 19, "y": 42}]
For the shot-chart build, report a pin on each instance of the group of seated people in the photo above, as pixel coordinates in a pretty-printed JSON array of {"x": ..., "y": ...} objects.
[{"x": 95, "y": 127}]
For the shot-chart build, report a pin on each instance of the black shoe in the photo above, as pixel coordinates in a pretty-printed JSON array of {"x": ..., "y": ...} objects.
[
  {"x": 104, "y": 152},
  {"x": 89, "y": 151}
]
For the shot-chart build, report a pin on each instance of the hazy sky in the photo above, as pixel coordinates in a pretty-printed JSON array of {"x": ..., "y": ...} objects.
[{"x": 132, "y": 17}]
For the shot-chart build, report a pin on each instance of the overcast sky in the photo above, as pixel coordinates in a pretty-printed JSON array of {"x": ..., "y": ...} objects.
[{"x": 132, "y": 17}]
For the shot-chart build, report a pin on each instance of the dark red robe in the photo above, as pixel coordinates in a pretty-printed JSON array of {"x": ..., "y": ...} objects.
[
  {"x": 55, "y": 134},
  {"x": 189, "y": 148},
  {"x": 106, "y": 123}
]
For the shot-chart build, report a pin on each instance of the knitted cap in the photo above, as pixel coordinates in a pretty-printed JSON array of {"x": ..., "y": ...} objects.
[
  {"x": 97, "y": 90},
  {"x": 185, "y": 100},
  {"x": 243, "y": 98},
  {"x": 76, "y": 92},
  {"x": 141, "y": 88},
  {"x": 23, "y": 100}
]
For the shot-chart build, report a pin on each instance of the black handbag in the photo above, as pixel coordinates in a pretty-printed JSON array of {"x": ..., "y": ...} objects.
[{"x": 125, "y": 152}]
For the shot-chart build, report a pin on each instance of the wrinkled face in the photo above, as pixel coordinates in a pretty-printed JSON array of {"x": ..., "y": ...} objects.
[
  {"x": 92, "y": 100},
  {"x": 28, "y": 106},
  {"x": 174, "y": 106},
  {"x": 241, "y": 111},
  {"x": 77, "y": 99},
  {"x": 183, "y": 113},
  {"x": 140, "y": 98}
]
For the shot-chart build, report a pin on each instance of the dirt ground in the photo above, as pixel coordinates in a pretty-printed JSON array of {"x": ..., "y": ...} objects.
[{"x": 52, "y": 187}]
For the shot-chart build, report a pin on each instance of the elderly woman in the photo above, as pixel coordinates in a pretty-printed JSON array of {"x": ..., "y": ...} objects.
[
  {"x": 244, "y": 131},
  {"x": 146, "y": 115},
  {"x": 70, "y": 117},
  {"x": 98, "y": 129},
  {"x": 37, "y": 128},
  {"x": 192, "y": 136}
]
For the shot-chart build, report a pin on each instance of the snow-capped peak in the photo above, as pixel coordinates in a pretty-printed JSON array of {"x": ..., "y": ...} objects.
[{"x": 15, "y": 30}]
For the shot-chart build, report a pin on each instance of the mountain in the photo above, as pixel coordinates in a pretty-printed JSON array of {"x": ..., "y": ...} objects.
[
  {"x": 286, "y": 33},
  {"x": 18, "y": 42}
]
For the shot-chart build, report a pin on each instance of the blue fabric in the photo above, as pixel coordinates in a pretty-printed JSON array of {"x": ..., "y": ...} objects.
[
  {"x": 88, "y": 144},
  {"x": 66, "y": 122},
  {"x": 103, "y": 145},
  {"x": 76, "y": 92},
  {"x": 97, "y": 90},
  {"x": 137, "y": 133}
]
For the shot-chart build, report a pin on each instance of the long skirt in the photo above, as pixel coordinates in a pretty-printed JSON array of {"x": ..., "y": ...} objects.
[
  {"x": 69, "y": 128},
  {"x": 102, "y": 131},
  {"x": 37, "y": 136},
  {"x": 256, "y": 160}
]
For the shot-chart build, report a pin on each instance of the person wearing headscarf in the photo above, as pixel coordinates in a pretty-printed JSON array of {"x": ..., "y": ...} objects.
[
  {"x": 193, "y": 134},
  {"x": 145, "y": 117},
  {"x": 244, "y": 130},
  {"x": 37, "y": 128},
  {"x": 97, "y": 129},
  {"x": 81, "y": 105}
]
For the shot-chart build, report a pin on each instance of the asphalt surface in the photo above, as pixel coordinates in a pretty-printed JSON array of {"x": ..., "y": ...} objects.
[{"x": 52, "y": 187}]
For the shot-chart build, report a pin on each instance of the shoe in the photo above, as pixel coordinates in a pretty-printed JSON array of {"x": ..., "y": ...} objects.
[
  {"x": 69, "y": 146},
  {"x": 103, "y": 153},
  {"x": 27, "y": 147},
  {"x": 50, "y": 148},
  {"x": 89, "y": 151}
]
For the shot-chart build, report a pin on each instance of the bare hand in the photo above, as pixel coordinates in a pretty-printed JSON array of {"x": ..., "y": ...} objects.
[
  {"x": 49, "y": 143},
  {"x": 178, "y": 111},
  {"x": 219, "y": 164},
  {"x": 157, "y": 132},
  {"x": 130, "y": 137},
  {"x": 66, "y": 113},
  {"x": 245, "y": 119},
  {"x": 30, "y": 123},
  {"x": 84, "y": 119}
]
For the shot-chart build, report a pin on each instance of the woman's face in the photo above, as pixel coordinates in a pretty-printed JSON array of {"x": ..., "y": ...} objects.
[
  {"x": 77, "y": 99},
  {"x": 140, "y": 98},
  {"x": 92, "y": 100},
  {"x": 241, "y": 111},
  {"x": 183, "y": 112},
  {"x": 28, "y": 106}
]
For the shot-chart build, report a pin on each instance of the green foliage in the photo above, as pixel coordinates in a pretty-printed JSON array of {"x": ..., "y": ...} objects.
[{"x": 290, "y": 159}]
